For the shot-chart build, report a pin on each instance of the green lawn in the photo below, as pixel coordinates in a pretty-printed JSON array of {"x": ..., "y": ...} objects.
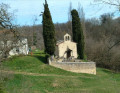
[{"x": 57, "y": 81}]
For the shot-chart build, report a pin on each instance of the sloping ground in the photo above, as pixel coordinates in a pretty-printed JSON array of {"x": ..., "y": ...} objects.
[{"x": 29, "y": 74}]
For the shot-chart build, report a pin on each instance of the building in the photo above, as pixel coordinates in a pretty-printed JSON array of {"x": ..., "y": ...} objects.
[
  {"x": 11, "y": 44},
  {"x": 66, "y": 48},
  {"x": 20, "y": 48},
  {"x": 15, "y": 48},
  {"x": 66, "y": 51}
]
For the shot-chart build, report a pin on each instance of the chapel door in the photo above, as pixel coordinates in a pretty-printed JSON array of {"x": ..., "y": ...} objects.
[{"x": 68, "y": 54}]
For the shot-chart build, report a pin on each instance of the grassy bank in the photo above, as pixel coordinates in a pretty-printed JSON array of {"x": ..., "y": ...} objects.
[{"x": 49, "y": 79}]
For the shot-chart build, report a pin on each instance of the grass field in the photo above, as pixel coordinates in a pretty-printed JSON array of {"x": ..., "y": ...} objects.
[{"x": 30, "y": 74}]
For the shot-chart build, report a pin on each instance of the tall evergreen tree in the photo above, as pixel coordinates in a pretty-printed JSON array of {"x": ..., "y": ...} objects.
[
  {"x": 48, "y": 31},
  {"x": 77, "y": 31}
]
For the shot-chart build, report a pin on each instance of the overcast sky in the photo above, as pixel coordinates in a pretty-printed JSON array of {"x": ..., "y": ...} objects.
[{"x": 26, "y": 10}]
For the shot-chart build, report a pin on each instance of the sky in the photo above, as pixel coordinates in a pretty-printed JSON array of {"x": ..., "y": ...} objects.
[{"x": 27, "y": 10}]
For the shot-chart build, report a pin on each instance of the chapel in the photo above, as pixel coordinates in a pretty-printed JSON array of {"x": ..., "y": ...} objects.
[{"x": 66, "y": 48}]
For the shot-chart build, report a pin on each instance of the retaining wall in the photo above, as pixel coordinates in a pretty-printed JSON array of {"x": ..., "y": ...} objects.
[{"x": 78, "y": 67}]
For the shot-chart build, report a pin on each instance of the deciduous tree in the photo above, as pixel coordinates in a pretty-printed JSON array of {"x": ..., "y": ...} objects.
[{"x": 8, "y": 31}]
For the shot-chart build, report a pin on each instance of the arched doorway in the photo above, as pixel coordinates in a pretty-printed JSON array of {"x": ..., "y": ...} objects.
[{"x": 68, "y": 53}]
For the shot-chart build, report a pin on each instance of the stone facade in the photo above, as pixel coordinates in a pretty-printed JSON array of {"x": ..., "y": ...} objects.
[
  {"x": 66, "y": 48},
  {"x": 21, "y": 48},
  {"x": 78, "y": 67}
]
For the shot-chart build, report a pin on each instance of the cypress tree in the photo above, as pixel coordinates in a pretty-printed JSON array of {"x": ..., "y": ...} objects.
[
  {"x": 77, "y": 31},
  {"x": 48, "y": 31}
]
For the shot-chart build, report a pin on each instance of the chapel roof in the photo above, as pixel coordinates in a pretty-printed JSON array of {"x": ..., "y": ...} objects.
[{"x": 61, "y": 41}]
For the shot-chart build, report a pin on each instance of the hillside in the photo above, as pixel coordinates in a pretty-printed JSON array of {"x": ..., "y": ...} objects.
[{"x": 30, "y": 74}]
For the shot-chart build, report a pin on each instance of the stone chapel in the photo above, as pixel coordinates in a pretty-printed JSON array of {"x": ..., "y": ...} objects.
[{"x": 66, "y": 48}]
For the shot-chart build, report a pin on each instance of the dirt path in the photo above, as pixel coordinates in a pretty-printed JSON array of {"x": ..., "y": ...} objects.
[{"x": 37, "y": 74}]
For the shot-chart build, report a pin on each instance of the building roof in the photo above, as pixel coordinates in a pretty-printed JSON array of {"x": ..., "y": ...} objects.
[{"x": 61, "y": 41}]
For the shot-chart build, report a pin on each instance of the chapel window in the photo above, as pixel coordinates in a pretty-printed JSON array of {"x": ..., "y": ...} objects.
[{"x": 68, "y": 38}]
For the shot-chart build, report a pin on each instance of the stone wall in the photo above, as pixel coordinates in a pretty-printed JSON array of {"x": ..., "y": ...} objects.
[{"x": 78, "y": 67}]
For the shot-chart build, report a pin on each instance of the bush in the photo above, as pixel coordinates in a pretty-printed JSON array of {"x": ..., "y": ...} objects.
[{"x": 1, "y": 88}]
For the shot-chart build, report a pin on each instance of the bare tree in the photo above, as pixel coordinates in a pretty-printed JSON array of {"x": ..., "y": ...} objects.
[
  {"x": 69, "y": 12},
  {"x": 81, "y": 13},
  {"x": 8, "y": 31},
  {"x": 34, "y": 33},
  {"x": 110, "y": 2},
  {"x": 82, "y": 17},
  {"x": 115, "y": 3}
]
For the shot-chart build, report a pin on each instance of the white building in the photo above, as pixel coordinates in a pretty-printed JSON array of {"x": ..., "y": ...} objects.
[
  {"x": 20, "y": 48},
  {"x": 66, "y": 48},
  {"x": 17, "y": 48}
]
